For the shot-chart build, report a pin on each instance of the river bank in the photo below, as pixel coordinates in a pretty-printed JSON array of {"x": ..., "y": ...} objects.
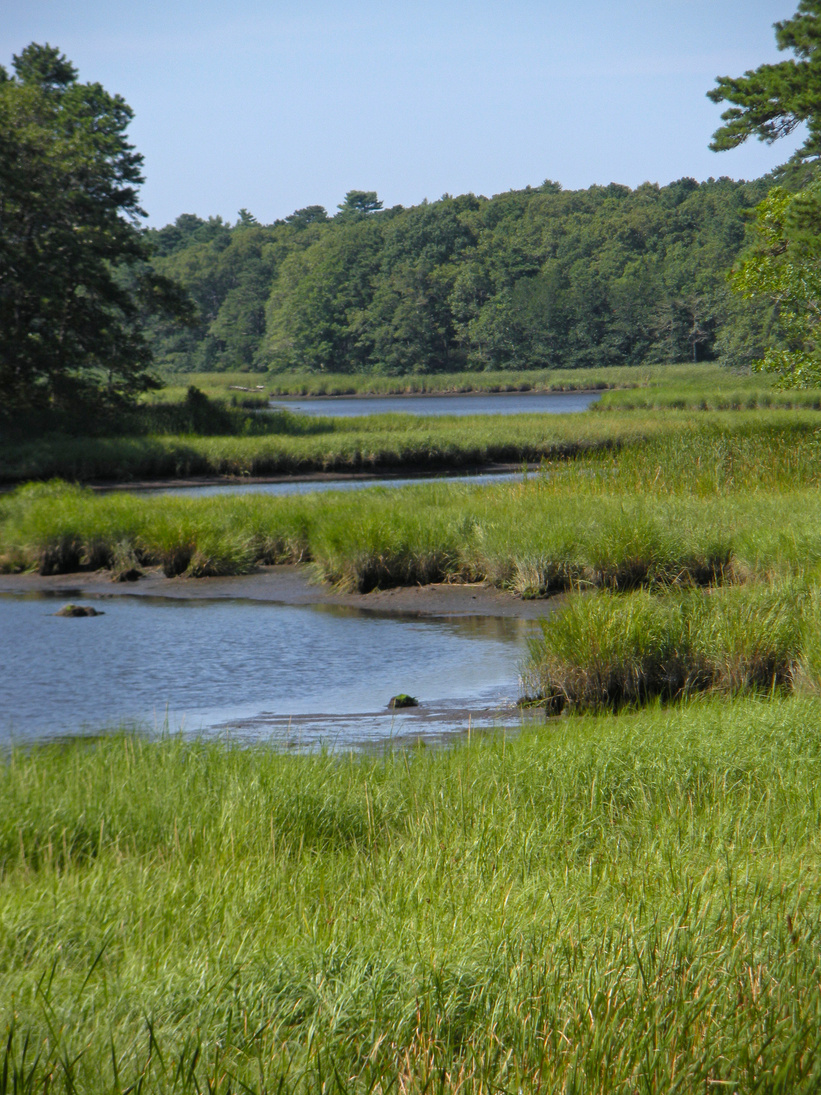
[
  {"x": 287, "y": 585},
  {"x": 320, "y": 478}
]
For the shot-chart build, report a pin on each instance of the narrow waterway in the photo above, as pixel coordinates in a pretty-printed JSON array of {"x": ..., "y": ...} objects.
[
  {"x": 458, "y": 404},
  {"x": 310, "y": 486},
  {"x": 299, "y": 677}
]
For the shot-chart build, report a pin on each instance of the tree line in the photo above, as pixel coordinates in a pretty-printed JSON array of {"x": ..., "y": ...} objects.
[
  {"x": 91, "y": 303},
  {"x": 539, "y": 277}
]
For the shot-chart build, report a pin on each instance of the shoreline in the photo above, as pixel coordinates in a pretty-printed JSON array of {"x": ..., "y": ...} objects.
[
  {"x": 409, "y": 471},
  {"x": 444, "y": 393},
  {"x": 288, "y": 585}
]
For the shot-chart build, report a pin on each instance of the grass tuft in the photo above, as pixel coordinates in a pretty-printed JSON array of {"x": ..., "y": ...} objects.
[{"x": 608, "y": 651}]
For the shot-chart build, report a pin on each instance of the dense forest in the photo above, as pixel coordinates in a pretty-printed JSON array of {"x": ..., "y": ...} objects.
[{"x": 540, "y": 277}]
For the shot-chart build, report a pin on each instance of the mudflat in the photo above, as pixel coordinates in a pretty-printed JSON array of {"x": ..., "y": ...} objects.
[{"x": 290, "y": 585}]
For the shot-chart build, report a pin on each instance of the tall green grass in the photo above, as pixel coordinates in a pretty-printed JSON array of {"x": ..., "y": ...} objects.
[
  {"x": 281, "y": 443},
  {"x": 703, "y": 386},
  {"x": 613, "y": 526},
  {"x": 329, "y": 384},
  {"x": 228, "y": 386},
  {"x": 605, "y": 651},
  {"x": 186, "y": 439},
  {"x": 606, "y": 906}
]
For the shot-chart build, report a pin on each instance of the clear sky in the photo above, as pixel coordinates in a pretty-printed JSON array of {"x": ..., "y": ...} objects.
[{"x": 274, "y": 105}]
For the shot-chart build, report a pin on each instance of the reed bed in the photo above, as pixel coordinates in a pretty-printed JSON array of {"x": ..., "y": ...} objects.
[
  {"x": 501, "y": 380},
  {"x": 707, "y": 387},
  {"x": 281, "y": 444},
  {"x": 703, "y": 386},
  {"x": 608, "y": 905},
  {"x": 607, "y": 651}
]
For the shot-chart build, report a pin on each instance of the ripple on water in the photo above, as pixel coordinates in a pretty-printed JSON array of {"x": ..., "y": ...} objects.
[{"x": 298, "y": 676}]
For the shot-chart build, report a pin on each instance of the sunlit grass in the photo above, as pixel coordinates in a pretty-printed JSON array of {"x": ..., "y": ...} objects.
[
  {"x": 704, "y": 499},
  {"x": 340, "y": 384},
  {"x": 609, "y": 905},
  {"x": 606, "y": 651}
]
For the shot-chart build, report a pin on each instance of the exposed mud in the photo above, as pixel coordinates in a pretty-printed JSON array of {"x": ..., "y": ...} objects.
[{"x": 290, "y": 585}]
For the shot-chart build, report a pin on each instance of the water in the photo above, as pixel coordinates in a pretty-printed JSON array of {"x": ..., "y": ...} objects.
[
  {"x": 297, "y": 677},
  {"x": 309, "y": 486},
  {"x": 467, "y": 403}
]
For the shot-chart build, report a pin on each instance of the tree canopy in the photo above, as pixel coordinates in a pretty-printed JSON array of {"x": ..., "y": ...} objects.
[
  {"x": 75, "y": 282},
  {"x": 538, "y": 277},
  {"x": 781, "y": 268},
  {"x": 773, "y": 100}
]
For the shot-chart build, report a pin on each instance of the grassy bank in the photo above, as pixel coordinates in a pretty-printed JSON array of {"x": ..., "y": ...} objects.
[
  {"x": 189, "y": 434},
  {"x": 526, "y": 538},
  {"x": 288, "y": 444},
  {"x": 340, "y": 384},
  {"x": 712, "y": 497},
  {"x": 613, "y": 905},
  {"x": 283, "y": 444},
  {"x": 608, "y": 650},
  {"x": 697, "y": 387},
  {"x": 705, "y": 387}
]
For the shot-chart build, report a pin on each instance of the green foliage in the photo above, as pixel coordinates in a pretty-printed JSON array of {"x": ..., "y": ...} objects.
[
  {"x": 774, "y": 99},
  {"x": 782, "y": 267},
  {"x": 75, "y": 286},
  {"x": 531, "y": 279}
]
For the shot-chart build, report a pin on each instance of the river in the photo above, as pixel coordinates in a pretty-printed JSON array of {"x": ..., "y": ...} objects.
[
  {"x": 458, "y": 404},
  {"x": 293, "y": 486},
  {"x": 299, "y": 677}
]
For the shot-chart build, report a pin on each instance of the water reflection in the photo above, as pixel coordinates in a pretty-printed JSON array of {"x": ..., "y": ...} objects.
[
  {"x": 296, "y": 676},
  {"x": 461, "y": 404}
]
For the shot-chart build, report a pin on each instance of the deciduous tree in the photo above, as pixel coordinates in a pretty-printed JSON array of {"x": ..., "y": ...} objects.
[{"x": 75, "y": 286}]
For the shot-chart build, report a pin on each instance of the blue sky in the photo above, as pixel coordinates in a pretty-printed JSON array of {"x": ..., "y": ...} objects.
[{"x": 273, "y": 106}]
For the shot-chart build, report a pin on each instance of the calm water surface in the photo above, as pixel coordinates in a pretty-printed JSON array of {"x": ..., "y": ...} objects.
[
  {"x": 468, "y": 403},
  {"x": 294, "y": 676},
  {"x": 309, "y": 486}
]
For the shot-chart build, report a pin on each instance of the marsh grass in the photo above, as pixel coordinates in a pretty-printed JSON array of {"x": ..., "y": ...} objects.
[
  {"x": 284, "y": 443},
  {"x": 706, "y": 387},
  {"x": 704, "y": 509},
  {"x": 607, "y": 651},
  {"x": 608, "y": 905},
  {"x": 659, "y": 387},
  {"x": 544, "y": 380},
  {"x": 196, "y": 434}
]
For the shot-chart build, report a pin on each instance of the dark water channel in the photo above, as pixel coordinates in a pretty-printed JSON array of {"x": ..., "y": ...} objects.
[
  {"x": 461, "y": 404},
  {"x": 297, "y": 677}
]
